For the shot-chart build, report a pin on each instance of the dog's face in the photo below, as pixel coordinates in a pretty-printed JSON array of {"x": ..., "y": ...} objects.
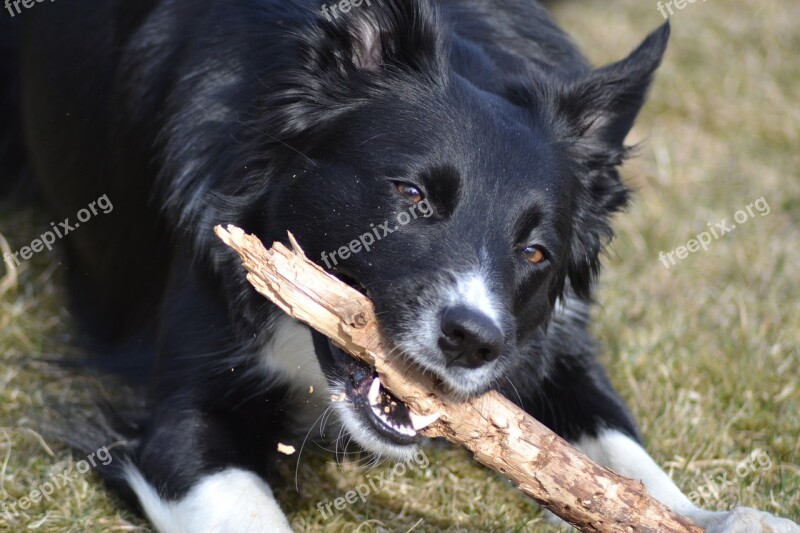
[
  {"x": 445, "y": 226},
  {"x": 462, "y": 211}
]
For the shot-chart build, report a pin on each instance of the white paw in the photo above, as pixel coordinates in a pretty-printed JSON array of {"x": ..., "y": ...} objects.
[{"x": 747, "y": 520}]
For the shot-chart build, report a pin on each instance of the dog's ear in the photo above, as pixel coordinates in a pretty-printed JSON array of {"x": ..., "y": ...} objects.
[
  {"x": 601, "y": 106},
  {"x": 345, "y": 59},
  {"x": 593, "y": 115},
  {"x": 381, "y": 34}
]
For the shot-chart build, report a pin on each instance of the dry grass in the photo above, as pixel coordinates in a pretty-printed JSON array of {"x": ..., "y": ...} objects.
[{"x": 706, "y": 353}]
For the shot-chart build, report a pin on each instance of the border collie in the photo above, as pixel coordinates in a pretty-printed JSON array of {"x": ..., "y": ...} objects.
[{"x": 275, "y": 116}]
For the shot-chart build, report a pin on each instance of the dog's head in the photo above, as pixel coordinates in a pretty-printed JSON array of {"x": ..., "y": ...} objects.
[{"x": 463, "y": 200}]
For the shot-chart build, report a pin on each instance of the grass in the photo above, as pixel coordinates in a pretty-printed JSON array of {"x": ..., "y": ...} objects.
[{"x": 707, "y": 353}]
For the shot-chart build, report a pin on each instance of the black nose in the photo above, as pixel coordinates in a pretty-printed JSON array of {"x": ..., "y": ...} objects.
[{"x": 469, "y": 338}]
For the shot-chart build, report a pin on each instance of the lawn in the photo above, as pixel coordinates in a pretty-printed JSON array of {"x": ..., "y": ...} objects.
[{"x": 706, "y": 352}]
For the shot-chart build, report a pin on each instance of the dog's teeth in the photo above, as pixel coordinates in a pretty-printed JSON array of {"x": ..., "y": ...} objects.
[
  {"x": 379, "y": 410},
  {"x": 406, "y": 430},
  {"x": 422, "y": 421},
  {"x": 374, "y": 395},
  {"x": 400, "y": 428}
]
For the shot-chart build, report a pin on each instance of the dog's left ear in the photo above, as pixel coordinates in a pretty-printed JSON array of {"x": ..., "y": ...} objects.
[
  {"x": 345, "y": 59},
  {"x": 601, "y": 107},
  {"x": 393, "y": 34},
  {"x": 593, "y": 114}
]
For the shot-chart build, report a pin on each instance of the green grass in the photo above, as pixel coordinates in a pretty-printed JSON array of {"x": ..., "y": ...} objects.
[{"x": 707, "y": 353}]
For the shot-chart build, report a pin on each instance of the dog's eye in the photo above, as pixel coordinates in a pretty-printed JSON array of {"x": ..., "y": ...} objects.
[
  {"x": 410, "y": 191},
  {"x": 534, "y": 254}
]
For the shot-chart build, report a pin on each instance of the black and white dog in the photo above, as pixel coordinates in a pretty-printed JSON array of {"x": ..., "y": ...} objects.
[{"x": 455, "y": 160}]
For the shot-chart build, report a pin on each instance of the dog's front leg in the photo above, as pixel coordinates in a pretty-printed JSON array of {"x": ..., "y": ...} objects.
[
  {"x": 227, "y": 501},
  {"x": 188, "y": 477},
  {"x": 579, "y": 403}
]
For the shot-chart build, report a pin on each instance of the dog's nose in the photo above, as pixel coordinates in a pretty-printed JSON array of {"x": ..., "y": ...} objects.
[{"x": 469, "y": 338}]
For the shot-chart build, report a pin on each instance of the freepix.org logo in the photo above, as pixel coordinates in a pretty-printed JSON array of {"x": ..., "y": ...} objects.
[
  {"x": 374, "y": 483},
  {"x": 45, "y": 491},
  {"x": 13, "y": 6},
  {"x": 365, "y": 241},
  {"x": 64, "y": 228},
  {"x": 344, "y": 6},
  {"x": 704, "y": 239}
]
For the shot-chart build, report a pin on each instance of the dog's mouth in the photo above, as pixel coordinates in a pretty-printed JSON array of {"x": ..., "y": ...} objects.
[
  {"x": 376, "y": 409},
  {"x": 375, "y": 418},
  {"x": 389, "y": 416}
]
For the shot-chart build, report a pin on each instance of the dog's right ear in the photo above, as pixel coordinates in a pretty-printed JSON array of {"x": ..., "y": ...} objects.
[
  {"x": 601, "y": 106},
  {"x": 346, "y": 58}
]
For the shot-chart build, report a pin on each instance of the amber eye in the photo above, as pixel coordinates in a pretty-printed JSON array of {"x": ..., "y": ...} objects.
[
  {"x": 412, "y": 192},
  {"x": 533, "y": 254}
]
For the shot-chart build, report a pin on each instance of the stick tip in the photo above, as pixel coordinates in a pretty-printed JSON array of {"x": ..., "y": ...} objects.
[
  {"x": 228, "y": 233},
  {"x": 296, "y": 248}
]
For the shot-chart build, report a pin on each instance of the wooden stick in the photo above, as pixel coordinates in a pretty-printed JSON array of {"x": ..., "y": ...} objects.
[{"x": 498, "y": 433}]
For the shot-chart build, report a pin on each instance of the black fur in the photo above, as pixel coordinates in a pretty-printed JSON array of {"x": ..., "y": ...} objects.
[
  {"x": 11, "y": 145},
  {"x": 260, "y": 113}
]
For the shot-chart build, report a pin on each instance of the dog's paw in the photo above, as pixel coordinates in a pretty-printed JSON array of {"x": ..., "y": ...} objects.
[{"x": 747, "y": 520}]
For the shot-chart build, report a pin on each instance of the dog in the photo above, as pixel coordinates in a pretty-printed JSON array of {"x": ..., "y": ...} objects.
[{"x": 469, "y": 139}]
